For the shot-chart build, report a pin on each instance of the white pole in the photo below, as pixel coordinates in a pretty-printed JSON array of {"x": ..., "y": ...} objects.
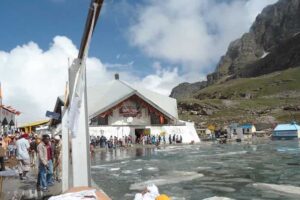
[
  {"x": 80, "y": 146},
  {"x": 81, "y": 138},
  {"x": 66, "y": 182}
]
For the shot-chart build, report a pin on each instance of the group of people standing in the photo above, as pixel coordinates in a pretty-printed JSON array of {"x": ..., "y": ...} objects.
[
  {"x": 112, "y": 142},
  {"x": 27, "y": 150},
  {"x": 49, "y": 154},
  {"x": 158, "y": 139},
  {"x": 175, "y": 139},
  {"x": 125, "y": 141}
]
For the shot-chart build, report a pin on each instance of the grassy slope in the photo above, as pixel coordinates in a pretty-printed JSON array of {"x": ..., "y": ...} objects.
[
  {"x": 270, "y": 93},
  {"x": 260, "y": 86}
]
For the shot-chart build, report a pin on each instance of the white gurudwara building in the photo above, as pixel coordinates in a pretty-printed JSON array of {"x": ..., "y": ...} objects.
[
  {"x": 119, "y": 109},
  {"x": 116, "y": 108}
]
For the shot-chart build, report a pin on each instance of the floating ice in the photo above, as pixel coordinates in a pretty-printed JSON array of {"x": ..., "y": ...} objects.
[
  {"x": 290, "y": 189},
  {"x": 114, "y": 169},
  {"x": 127, "y": 171},
  {"x": 131, "y": 171},
  {"x": 176, "y": 177},
  {"x": 217, "y": 198},
  {"x": 231, "y": 153},
  {"x": 203, "y": 168},
  {"x": 152, "y": 168},
  {"x": 101, "y": 166},
  {"x": 238, "y": 180}
]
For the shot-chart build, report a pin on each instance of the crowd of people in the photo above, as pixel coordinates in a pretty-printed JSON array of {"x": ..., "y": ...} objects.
[
  {"x": 33, "y": 152},
  {"x": 126, "y": 141},
  {"x": 111, "y": 142}
]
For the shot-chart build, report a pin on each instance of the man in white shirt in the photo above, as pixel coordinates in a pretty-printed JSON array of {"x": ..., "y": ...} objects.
[{"x": 23, "y": 157}]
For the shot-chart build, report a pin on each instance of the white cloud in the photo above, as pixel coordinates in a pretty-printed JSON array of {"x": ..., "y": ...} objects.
[
  {"x": 32, "y": 78},
  {"x": 162, "y": 81},
  {"x": 192, "y": 33},
  {"x": 119, "y": 65}
]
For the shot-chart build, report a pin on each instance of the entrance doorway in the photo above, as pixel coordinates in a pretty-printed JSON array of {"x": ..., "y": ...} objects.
[
  {"x": 138, "y": 135},
  {"x": 141, "y": 132}
]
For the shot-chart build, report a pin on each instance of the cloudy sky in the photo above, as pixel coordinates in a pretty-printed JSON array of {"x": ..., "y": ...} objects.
[{"x": 153, "y": 43}]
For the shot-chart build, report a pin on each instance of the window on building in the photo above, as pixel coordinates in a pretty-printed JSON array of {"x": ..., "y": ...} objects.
[
  {"x": 158, "y": 119},
  {"x": 154, "y": 118}
]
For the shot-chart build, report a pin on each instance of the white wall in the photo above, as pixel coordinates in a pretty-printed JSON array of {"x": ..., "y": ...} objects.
[
  {"x": 108, "y": 131},
  {"x": 251, "y": 130},
  {"x": 187, "y": 131}
]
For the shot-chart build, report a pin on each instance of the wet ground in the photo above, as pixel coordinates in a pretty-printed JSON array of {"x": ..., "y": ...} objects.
[
  {"x": 16, "y": 189},
  {"x": 261, "y": 170}
]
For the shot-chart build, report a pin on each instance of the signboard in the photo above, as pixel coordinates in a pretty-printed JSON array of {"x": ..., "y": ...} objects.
[
  {"x": 129, "y": 109},
  {"x": 52, "y": 115}
]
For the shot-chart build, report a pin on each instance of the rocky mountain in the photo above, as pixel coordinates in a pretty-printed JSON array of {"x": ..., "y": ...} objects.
[
  {"x": 185, "y": 90},
  {"x": 271, "y": 44},
  {"x": 258, "y": 78},
  {"x": 276, "y": 24}
]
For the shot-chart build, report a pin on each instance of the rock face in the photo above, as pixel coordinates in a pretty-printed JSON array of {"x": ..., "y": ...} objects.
[
  {"x": 285, "y": 55},
  {"x": 276, "y": 24},
  {"x": 272, "y": 44},
  {"x": 185, "y": 90}
]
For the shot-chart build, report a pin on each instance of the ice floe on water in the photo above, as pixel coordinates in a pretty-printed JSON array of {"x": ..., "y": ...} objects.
[
  {"x": 203, "y": 168},
  {"x": 288, "y": 150},
  {"x": 178, "y": 198},
  {"x": 231, "y": 153},
  {"x": 173, "y": 178},
  {"x": 152, "y": 168},
  {"x": 133, "y": 171},
  {"x": 288, "y": 189},
  {"x": 114, "y": 169},
  {"x": 217, "y": 198},
  {"x": 102, "y": 166},
  {"x": 237, "y": 180}
]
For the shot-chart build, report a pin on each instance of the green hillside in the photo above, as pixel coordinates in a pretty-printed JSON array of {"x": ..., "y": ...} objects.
[{"x": 269, "y": 98}]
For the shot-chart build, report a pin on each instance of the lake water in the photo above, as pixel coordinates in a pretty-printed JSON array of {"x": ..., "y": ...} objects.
[{"x": 264, "y": 170}]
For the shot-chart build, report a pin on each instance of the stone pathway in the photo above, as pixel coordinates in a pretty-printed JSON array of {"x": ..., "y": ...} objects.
[{"x": 15, "y": 189}]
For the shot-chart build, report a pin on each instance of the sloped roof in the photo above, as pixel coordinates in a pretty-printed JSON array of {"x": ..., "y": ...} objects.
[
  {"x": 36, "y": 123},
  {"x": 287, "y": 127},
  {"x": 104, "y": 96},
  {"x": 246, "y": 125}
]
